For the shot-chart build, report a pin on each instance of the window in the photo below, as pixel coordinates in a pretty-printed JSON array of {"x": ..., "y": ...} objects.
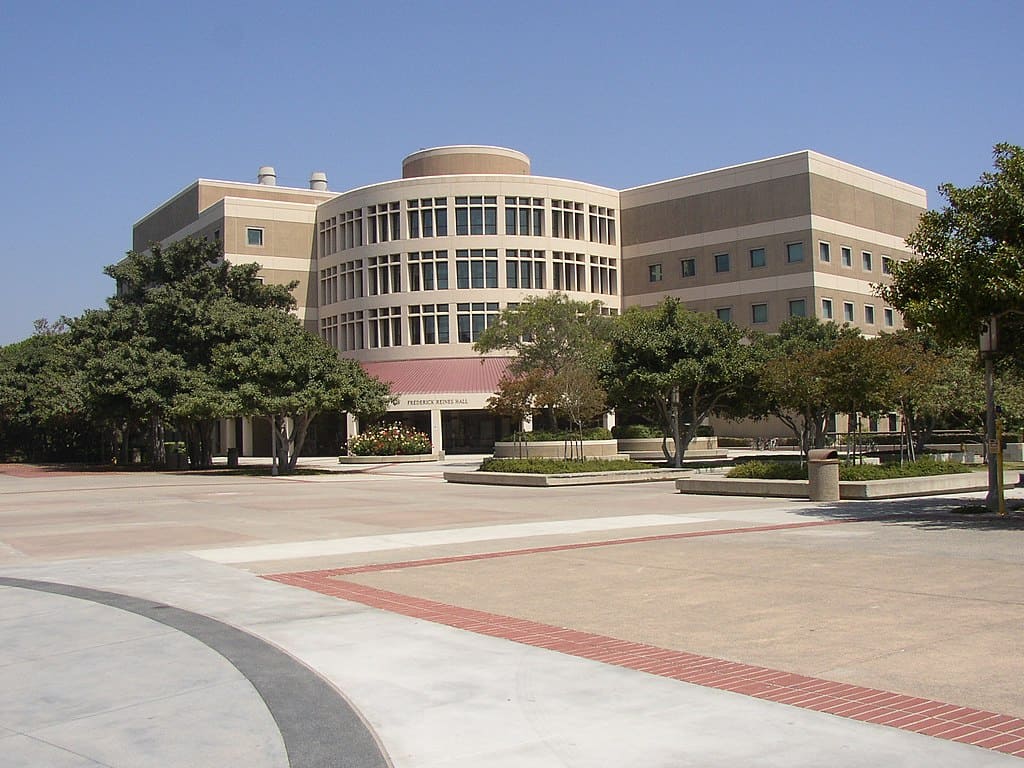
[
  {"x": 384, "y": 222},
  {"x": 826, "y": 309},
  {"x": 216, "y": 235},
  {"x": 385, "y": 327},
  {"x": 602, "y": 224},
  {"x": 654, "y": 273},
  {"x": 888, "y": 317},
  {"x": 869, "y": 314},
  {"x": 350, "y": 225},
  {"x": 476, "y": 215},
  {"x": 428, "y": 324},
  {"x": 824, "y": 252},
  {"x": 385, "y": 274},
  {"x": 797, "y": 308},
  {"x": 328, "y": 286},
  {"x": 757, "y": 258},
  {"x": 794, "y": 252},
  {"x": 352, "y": 331},
  {"x": 569, "y": 271},
  {"x": 428, "y": 217},
  {"x": 524, "y": 269},
  {"x": 524, "y": 216},
  {"x": 350, "y": 276},
  {"x": 848, "y": 311},
  {"x": 721, "y": 262},
  {"x": 254, "y": 236},
  {"x": 865, "y": 259},
  {"x": 846, "y": 255},
  {"x": 724, "y": 314},
  {"x": 567, "y": 219},
  {"x": 759, "y": 313},
  {"x": 428, "y": 271},
  {"x": 329, "y": 330},
  {"x": 886, "y": 265},
  {"x": 604, "y": 275},
  {"x": 328, "y": 236},
  {"x": 689, "y": 267},
  {"x": 474, "y": 318},
  {"x": 476, "y": 268}
]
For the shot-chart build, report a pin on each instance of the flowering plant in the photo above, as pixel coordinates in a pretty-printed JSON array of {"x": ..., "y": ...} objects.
[{"x": 389, "y": 440}]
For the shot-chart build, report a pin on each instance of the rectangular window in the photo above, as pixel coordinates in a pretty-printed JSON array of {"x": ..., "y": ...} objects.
[
  {"x": 476, "y": 215},
  {"x": 848, "y": 315},
  {"x": 329, "y": 330},
  {"x": 383, "y": 222},
  {"x": 724, "y": 314},
  {"x": 602, "y": 224},
  {"x": 385, "y": 274},
  {"x": 654, "y": 273},
  {"x": 798, "y": 308},
  {"x": 869, "y": 314},
  {"x": 428, "y": 217},
  {"x": 866, "y": 261},
  {"x": 567, "y": 219},
  {"x": 826, "y": 309},
  {"x": 689, "y": 267},
  {"x": 757, "y": 258},
  {"x": 569, "y": 271},
  {"x": 886, "y": 265},
  {"x": 254, "y": 236},
  {"x": 524, "y": 216},
  {"x": 352, "y": 329},
  {"x": 428, "y": 271},
  {"x": 759, "y": 313},
  {"x": 794, "y": 252},
  {"x": 846, "y": 255},
  {"x": 473, "y": 319},
  {"x": 476, "y": 268},
  {"x": 721, "y": 262},
  {"x": 428, "y": 324},
  {"x": 328, "y": 286},
  {"x": 889, "y": 317},
  {"x": 524, "y": 269},
  {"x": 824, "y": 252},
  {"x": 350, "y": 226},
  {"x": 385, "y": 324},
  {"x": 604, "y": 275}
]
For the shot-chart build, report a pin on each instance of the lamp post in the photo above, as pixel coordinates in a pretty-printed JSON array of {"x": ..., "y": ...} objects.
[{"x": 988, "y": 343}]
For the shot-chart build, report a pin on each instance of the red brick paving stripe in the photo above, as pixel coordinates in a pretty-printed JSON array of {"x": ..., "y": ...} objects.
[{"x": 989, "y": 730}]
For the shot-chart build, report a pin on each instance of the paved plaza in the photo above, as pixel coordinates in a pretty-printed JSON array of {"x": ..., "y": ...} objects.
[{"x": 379, "y": 616}]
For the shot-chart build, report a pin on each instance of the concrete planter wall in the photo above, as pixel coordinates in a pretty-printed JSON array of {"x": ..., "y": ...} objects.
[
  {"x": 556, "y": 449},
  {"x": 406, "y": 459},
  {"x": 641, "y": 448}
]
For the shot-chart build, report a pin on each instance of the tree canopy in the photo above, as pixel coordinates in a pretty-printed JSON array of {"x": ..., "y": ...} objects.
[{"x": 971, "y": 264}]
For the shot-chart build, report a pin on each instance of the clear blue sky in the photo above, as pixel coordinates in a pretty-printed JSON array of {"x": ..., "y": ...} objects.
[{"x": 109, "y": 108}]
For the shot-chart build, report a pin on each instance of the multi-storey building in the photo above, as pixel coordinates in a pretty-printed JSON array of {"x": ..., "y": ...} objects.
[{"x": 404, "y": 275}]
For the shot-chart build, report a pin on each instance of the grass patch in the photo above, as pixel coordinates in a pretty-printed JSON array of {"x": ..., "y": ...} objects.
[
  {"x": 785, "y": 470},
  {"x": 561, "y": 466}
]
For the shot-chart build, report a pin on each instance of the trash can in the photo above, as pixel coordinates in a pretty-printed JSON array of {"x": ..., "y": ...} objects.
[
  {"x": 232, "y": 458},
  {"x": 823, "y": 474}
]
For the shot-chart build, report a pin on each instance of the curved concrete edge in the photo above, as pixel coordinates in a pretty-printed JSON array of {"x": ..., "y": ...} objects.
[
  {"x": 412, "y": 458},
  {"x": 319, "y": 727},
  {"x": 934, "y": 485},
  {"x": 553, "y": 481}
]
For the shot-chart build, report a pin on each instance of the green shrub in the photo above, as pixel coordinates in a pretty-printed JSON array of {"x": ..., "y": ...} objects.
[
  {"x": 791, "y": 470},
  {"x": 537, "y": 436},
  {"x": 389, "y": 440},
  {"x": 735, "y": 442},
  {"x": 636, "y": 432},
  {"x": 560, "y": 466}
]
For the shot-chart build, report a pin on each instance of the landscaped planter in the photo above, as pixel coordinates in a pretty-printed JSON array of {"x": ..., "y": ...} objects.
[
  {"x": 406, "y": 459},
  {"x": 931, "y": 485},
  {"x": 530, "y": 480},
  {"x": 557, "y": 449},
  {"x": 646, "y": 448}
]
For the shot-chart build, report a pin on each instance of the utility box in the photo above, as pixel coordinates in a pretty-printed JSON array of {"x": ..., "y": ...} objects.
[{"x": 823, "y": 474}]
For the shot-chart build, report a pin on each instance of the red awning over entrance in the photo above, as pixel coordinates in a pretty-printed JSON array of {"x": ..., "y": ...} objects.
[{"x": 440, "y": 376}]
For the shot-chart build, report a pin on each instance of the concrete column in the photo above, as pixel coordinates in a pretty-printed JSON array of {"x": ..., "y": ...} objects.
[
  {"x": 351, "y": 424},
  {"x": 608, "y": 420},
  {"x": 246, "y": 437},
  {"x": 436, "y": 435}
]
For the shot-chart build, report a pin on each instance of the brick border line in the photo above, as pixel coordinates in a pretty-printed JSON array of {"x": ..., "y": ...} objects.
[{"x": 989, "y": 730}]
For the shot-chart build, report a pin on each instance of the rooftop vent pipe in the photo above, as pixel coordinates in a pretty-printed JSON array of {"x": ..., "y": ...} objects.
[
  {"x": 267, "y": 176},
  {"x": 318, "y": 181}
]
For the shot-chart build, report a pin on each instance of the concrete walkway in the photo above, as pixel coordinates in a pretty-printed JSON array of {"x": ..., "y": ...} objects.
[{"x": 182, "y": 659}]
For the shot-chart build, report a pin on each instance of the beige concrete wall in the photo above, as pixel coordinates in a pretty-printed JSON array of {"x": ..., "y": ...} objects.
[{"x": 177, "y": 213}]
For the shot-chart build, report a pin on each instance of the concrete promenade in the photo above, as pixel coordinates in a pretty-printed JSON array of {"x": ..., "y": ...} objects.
[{"x": 378, "y": 616}]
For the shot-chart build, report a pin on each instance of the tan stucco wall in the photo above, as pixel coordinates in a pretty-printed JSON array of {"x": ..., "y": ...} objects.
[{"x": 441, "y": 161}]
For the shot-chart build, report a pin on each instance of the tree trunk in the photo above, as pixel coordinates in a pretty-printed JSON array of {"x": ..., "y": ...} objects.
[
  {"x": 300, "y": 429},
  {"x": 677, "y": 437},
  {"x": 157, "y": 449}
]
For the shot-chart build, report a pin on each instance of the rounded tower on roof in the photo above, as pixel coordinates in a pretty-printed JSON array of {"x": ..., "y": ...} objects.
[{"x": 465, "y": 159}]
